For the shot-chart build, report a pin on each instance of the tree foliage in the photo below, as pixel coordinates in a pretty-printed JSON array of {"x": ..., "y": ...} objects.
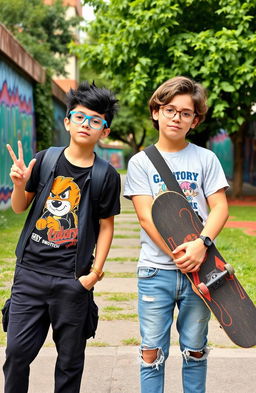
[
  {"x": 44, "y": 113},
  {"x": 137, "y": 44},
  {"x": 141, "y": 43},
  {"x": 130, "y": 127},
  {"x": 43, "y": 30}
]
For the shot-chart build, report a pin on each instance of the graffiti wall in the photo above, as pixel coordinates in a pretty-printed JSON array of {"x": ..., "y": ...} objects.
[
  {"x": 222, "y": 146},
  {"x": 16, "y": 122},
  {"x": 60, "y": 136},
  {"x": 113, "y": 155},
  {"x": 250, "y": 154}
]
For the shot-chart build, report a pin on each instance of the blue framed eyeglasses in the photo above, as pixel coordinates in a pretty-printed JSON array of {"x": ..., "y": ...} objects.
[{"x": 97, "y": 123}]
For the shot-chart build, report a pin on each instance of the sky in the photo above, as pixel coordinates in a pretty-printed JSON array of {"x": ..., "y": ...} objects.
[
  {"x": 88, "y": 12},
  {"x": 88, "y": 15}
]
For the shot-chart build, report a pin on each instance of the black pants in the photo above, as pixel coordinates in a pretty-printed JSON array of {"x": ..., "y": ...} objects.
[{"x": 39, "y": 300}]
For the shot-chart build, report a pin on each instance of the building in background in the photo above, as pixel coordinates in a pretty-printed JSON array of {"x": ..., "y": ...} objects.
[
  {"x": 110, "y": 152},
  {"x": 74, "y": 8}
]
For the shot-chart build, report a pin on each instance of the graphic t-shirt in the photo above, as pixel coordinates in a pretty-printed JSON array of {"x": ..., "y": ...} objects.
[
  {"x": 199, "y": 174},
  {"x": 51, "y": 247}
]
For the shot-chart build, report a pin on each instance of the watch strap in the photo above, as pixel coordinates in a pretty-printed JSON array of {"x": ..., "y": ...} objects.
[
  {"x": 207, "y": 240},
  {"x": 99, "y": 273}
]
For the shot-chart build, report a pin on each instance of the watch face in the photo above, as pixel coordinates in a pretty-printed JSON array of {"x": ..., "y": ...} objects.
[{"x": 207, "y": 241}]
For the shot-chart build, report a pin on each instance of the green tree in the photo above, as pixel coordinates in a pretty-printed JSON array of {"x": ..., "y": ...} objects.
[
  {"x": 130, "y": 126},
  {"x": 137, "y": 44},
  {"x": 43, "y": 30},
  {"x": 44, "y": 113}
]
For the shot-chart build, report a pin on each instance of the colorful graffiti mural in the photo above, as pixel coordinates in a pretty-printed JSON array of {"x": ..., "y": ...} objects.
[
  {"x": 60, "y": 135},
  {"x": 111, "y": 154},
  {"x": 16, "y": 122},
  {"x": 250, "y": 154},
  {"x": 222, "y": 146}
]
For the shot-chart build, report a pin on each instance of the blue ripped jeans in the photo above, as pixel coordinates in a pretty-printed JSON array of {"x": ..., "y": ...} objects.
[{"x": 159, "y": 292}]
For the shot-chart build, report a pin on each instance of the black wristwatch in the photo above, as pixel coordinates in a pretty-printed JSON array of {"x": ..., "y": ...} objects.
[{"x": 207, "y": 241}]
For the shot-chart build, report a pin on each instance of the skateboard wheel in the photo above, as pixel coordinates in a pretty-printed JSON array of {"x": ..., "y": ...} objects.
[
  {"x": 203, "y": 288},
  {"x": 229, "y": 269}
]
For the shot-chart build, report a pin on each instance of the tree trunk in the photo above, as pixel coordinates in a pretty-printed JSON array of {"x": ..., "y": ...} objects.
[
  {"x": 142, "y": 139},
  {"x": 238, "y": 140},
  {"x": 133, "y": 143}
]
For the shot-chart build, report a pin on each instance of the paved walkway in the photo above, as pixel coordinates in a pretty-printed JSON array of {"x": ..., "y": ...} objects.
[
  {"x": 111, "y": 365},
  {"x": 116, "y": 370}
]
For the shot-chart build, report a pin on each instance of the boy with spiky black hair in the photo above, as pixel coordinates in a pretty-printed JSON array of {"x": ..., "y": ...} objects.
[{"x": 56, "y": 270}]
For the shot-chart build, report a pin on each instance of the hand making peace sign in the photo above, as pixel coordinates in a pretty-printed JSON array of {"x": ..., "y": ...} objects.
[{"x": 19, "y": 172}]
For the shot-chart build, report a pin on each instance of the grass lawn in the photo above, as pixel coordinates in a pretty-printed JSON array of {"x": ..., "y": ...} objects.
[
  {"x": 236, "y": 247},
  {"x": 242, "y": 213},
  {"x": 239, "y": 250}
]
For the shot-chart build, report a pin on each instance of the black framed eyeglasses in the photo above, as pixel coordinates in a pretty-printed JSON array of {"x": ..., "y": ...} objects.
[{"x": 95, "y": 122}]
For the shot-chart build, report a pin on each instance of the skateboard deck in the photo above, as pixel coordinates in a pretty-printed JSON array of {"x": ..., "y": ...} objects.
[{"x": 215, "y": 282}]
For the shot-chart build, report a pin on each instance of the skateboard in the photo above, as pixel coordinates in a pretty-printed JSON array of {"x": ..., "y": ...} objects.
[{"x": 215, "y": 282}]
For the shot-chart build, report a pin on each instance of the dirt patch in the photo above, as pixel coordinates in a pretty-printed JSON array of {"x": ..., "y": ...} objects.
[
  {"x": 249, "y": 227},
  {"x": 245, "y": 201}
]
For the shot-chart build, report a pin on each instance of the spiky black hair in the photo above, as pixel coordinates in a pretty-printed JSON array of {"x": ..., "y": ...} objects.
[{"x": 98, "y": 99}]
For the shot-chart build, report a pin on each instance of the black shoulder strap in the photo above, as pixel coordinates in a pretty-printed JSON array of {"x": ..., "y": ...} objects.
[
  {"x": 48, "y": 163},
  {"x": 163, "y": 169},
  {"x": 99, "y": 171}
]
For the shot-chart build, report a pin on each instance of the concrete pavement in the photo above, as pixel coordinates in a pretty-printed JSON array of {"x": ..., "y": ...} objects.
[
  {"x": 112, "y": 367},
  {"x": 116, "y": 370}
]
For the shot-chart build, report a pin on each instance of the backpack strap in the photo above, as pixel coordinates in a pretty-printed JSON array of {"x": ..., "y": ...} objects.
[
  {"x": 99, "y": 171},
  {"x": 163, "y": 169},
  {"x": 48, "y": 164}
]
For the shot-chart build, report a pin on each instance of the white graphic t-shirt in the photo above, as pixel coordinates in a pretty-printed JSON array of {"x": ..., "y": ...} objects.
[{"x": 199, "y": 174}]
